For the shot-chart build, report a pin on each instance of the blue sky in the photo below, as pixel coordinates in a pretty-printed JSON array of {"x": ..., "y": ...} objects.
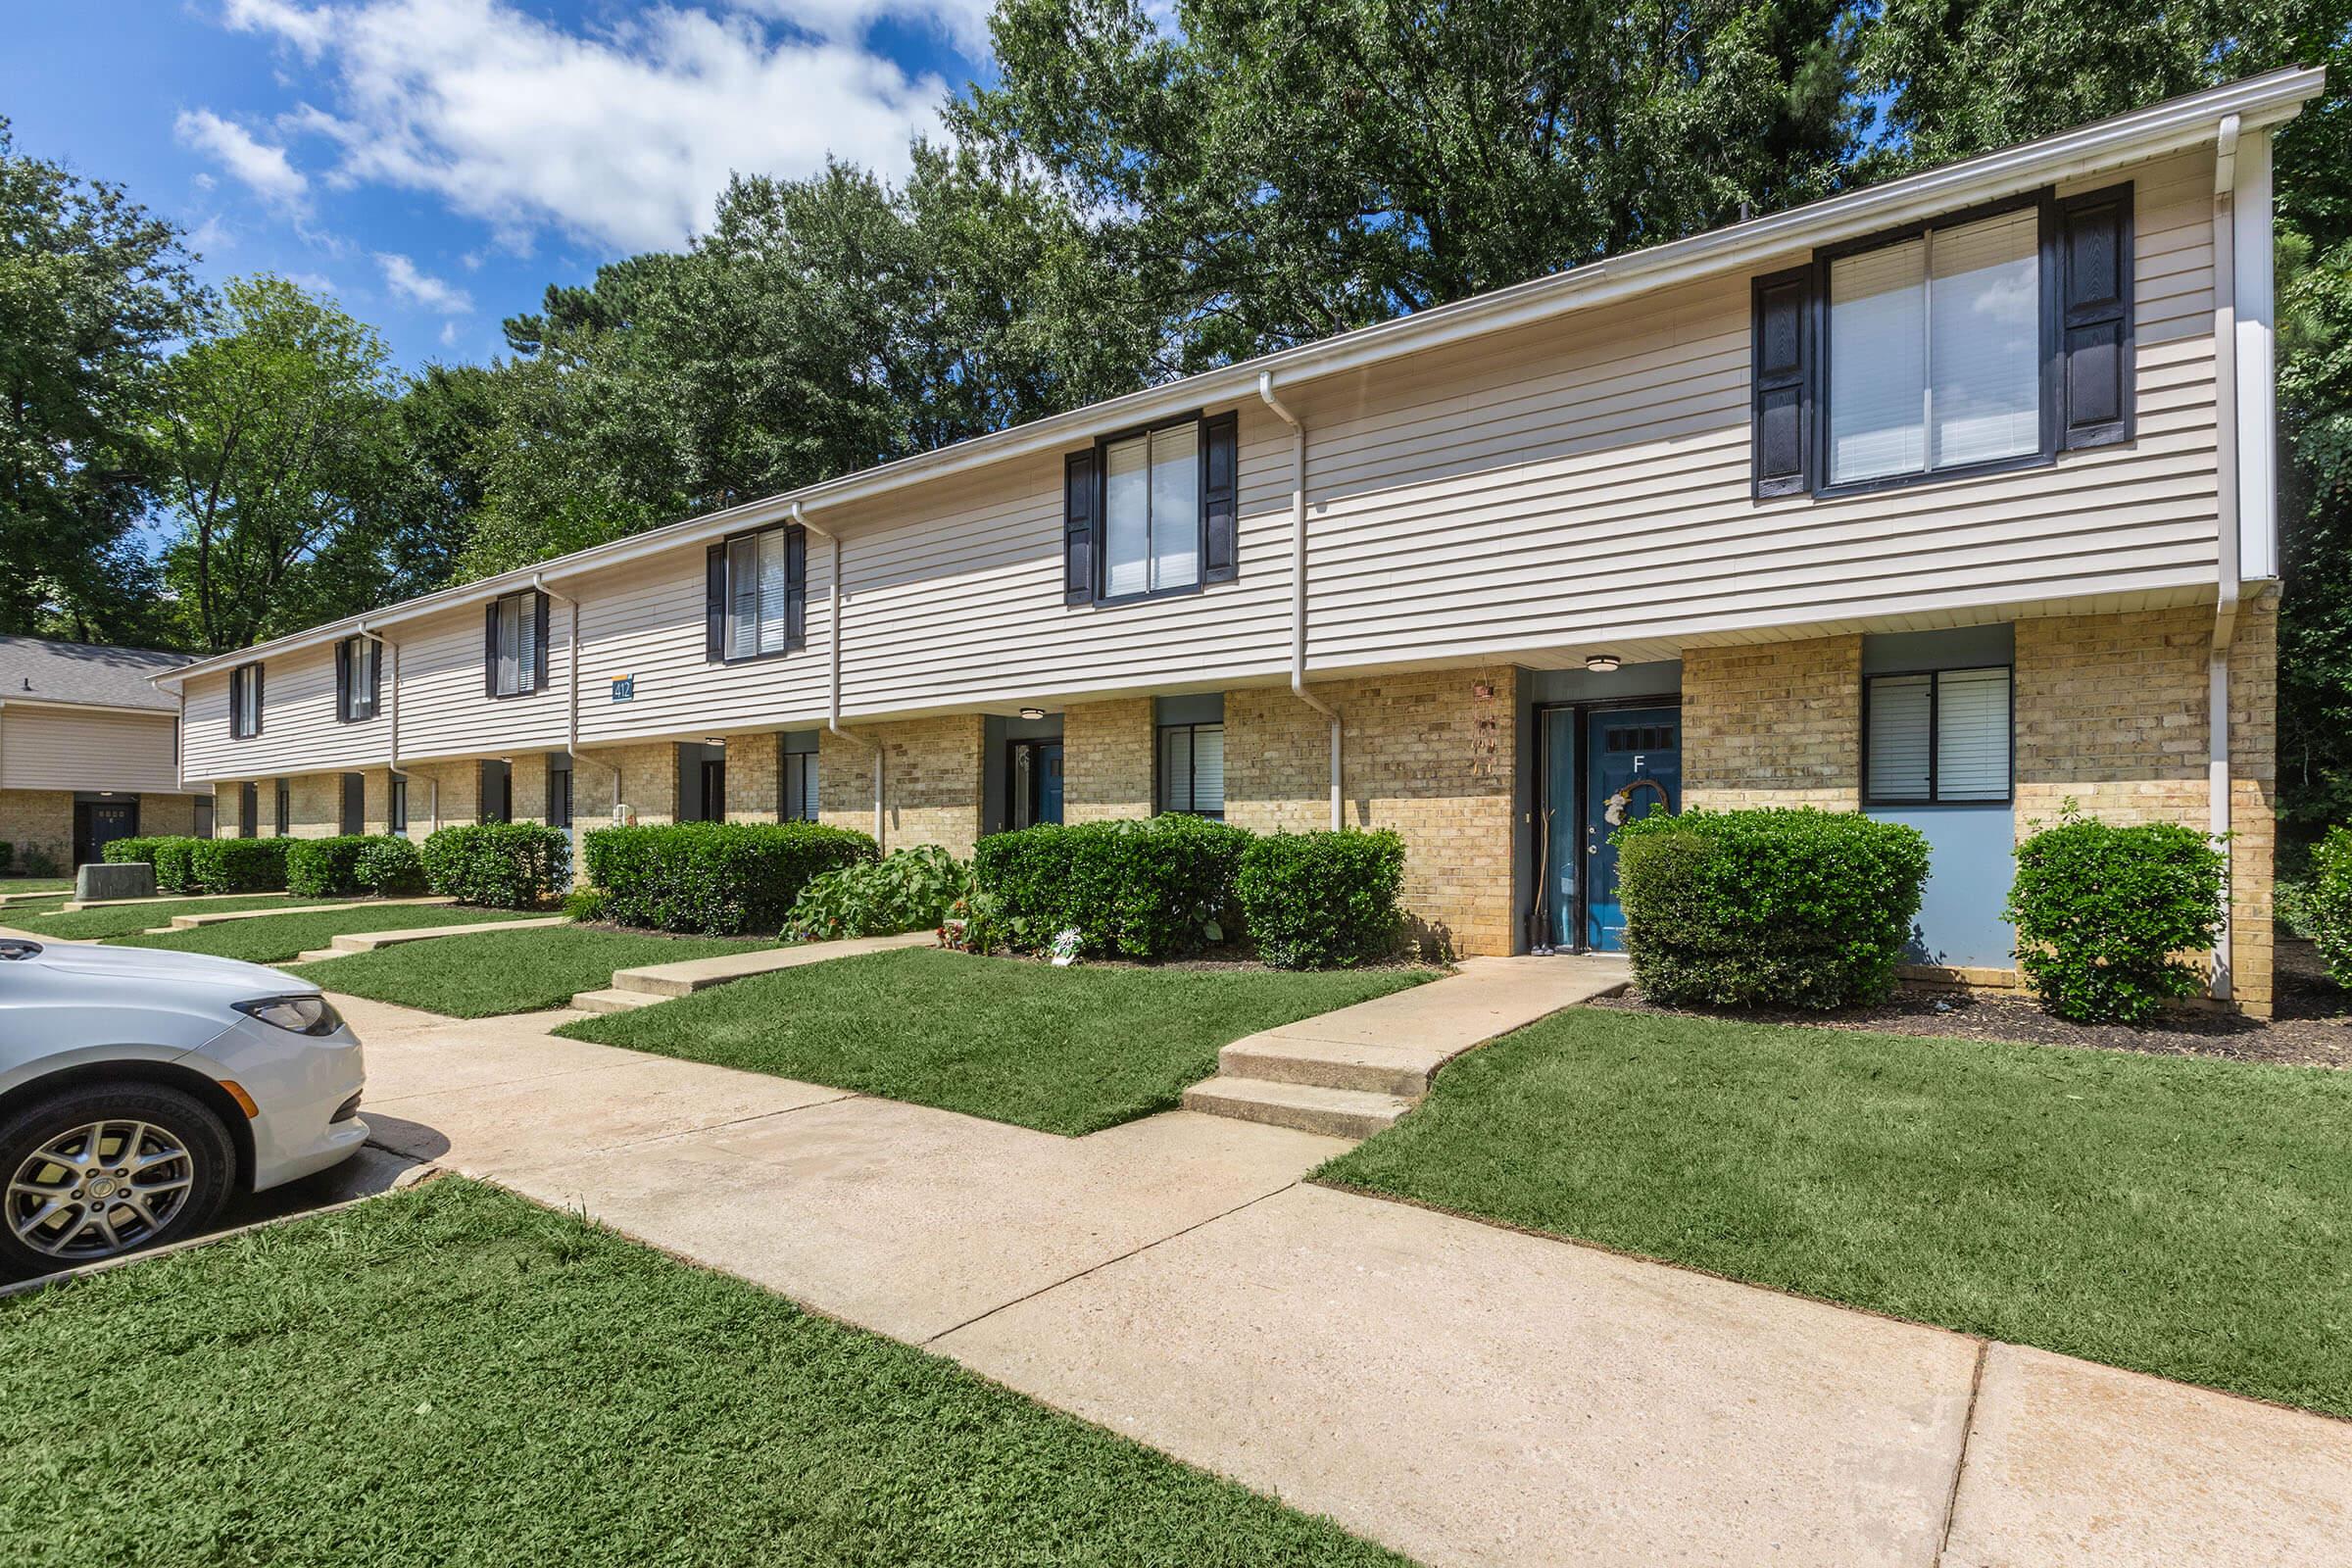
[{"x": 436, "y": 164}]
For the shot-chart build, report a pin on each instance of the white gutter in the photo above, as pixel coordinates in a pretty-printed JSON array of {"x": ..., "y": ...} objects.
[
  {"x": 571, "y": 721},
  {"x": 392, "y": 718},
  {"x": 2226, "y": 462},
  {"x": 1265, "y": 390},
  {"x": 2175, "y": 126},
  {"x": 833, "y": 642}
]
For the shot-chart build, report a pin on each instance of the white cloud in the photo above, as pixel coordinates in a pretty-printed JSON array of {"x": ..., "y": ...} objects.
[
  {"x": 421, "y": 288},
  {"x": 963, "y": 21},
  {"x": 620, "y": 138},
  {"x": 449, "y": 334},
  {"x": 261, "y": 166}
]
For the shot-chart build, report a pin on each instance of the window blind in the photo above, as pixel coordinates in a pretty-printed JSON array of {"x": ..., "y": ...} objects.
[
  {"x": 1898, "y": 761},
  {"x": 1984, "y": 340},
  {"x": 1972, "y": 735},
  {"x": 1877, "y": 363}
]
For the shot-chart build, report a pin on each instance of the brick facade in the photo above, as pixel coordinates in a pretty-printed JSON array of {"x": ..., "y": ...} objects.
[
  {"x": 1106, "y": 761},
  {"x": 1431, "y": 755},
  {"x": 166, "y": 814},
  {"x": 38, "y": 826},
  {"x": 931, "y": 790},
  {"x": 754, "y": 783},
  {"x": 1779, "y": 724}
]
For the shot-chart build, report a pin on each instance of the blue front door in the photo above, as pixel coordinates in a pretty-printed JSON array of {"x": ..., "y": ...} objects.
[{"x": 1633, "y": 766}]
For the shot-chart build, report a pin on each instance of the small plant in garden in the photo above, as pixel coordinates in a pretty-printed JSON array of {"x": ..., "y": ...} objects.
[
  {"x": 389, "y": 866},
  {"x": 1772, "y": 908},
  {"x": 1066, "y": 947},
  {"x": 2327, "y": 904},
  {"x": 906, "y": 890},
  {"x": 1323, "y": 900},
  {"x": 2104, "y": 915},
  {"x": 500, "y": 865},
  {"x": 587, "y": 905}
]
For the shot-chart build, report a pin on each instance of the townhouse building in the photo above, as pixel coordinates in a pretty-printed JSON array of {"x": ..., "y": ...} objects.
[
  {"x": 89, "y": 751},
  {"x": 1950, "y": 501}
]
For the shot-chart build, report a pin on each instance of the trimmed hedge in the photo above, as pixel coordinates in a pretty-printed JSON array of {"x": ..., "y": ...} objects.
[
  {"x": 2328, "y": 904},
  {"x": 1323, "y": 899},
  {"x": 389, "y": 866},
  {"x": 1772, "y": 908},
  {"x": 717, "y": 878},
  {"x": 239, "y": 865},
  {"x": 172, "y": 854},
  {"x": 1159, "y": 888},
  {"x": 906, "y": 890},
  {"x": 500, "y": 865},
  {"x": 2104, "y": 913},
  {"x": 329, "y": 867}
]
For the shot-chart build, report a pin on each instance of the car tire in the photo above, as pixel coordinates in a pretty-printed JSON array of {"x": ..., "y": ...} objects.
[{"x": 63, "y": 1156}]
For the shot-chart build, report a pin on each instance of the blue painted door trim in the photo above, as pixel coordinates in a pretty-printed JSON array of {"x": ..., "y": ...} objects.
[{"x": 1633, "y": 766}]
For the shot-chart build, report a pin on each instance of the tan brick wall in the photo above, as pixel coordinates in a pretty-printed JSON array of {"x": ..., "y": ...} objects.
[
  {"x": 931, "y": 771},
  {"x": 38, "y": 823},
  {"x": 453, "y": 786},
  {"x": 1106, "y": 761},
  {"x": 2111, "y": 713},
  {"x": 1774, "y": 725},
  {"x": 165, "y": 814},
  {"x": 530, "y": 787},
  {"x": 754, "y": 789},
  {"x": 225, "y": 822},
  {"x": 1431, "y": 755},
  {"x": 649, "y": 784},
  {"x": 313, "y": 806},
  {"x": 375, "y": 805}
]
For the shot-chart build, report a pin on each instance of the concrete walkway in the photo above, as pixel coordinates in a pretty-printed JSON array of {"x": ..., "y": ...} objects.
[
  {"x": 351, "y": 941},
  {"x": 650, "y": 982},
  {"x": 1462, "y": 1392}
]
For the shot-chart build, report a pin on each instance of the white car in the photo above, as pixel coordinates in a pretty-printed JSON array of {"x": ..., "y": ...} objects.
[{"x": 140, "y": 1088}]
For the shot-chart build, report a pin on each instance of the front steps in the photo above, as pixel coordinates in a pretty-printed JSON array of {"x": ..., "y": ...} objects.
[
  {"x": 648, "y": 984},
  {"x": 1310, "y": 1107},
  {"x": 614, "y": 999}
]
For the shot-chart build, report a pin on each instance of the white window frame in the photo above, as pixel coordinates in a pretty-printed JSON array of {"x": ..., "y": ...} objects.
[
  {"x": 1149, "y": 435},
  {"x": 765, "y": 585}
]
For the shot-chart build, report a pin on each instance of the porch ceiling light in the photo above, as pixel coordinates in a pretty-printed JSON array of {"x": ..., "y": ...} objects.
[
  {"x": 1602, "y": 664},
  {"x": 1033, "y": 712}
]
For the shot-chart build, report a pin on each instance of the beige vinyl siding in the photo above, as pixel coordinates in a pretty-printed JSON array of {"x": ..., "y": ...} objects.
[
  {"x": 85, "y": 749},
  {"x": 300, "y": 732},
  {"x": 443, "y": 712}
]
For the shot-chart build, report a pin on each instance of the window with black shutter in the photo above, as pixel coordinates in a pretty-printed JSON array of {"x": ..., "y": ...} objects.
[
  {"x": 245, "y": 702},
  {"x": 515, "y": 644},
  {"x": 358, "y": 678},
  {"x": 755, "y": 595},
  {"x": 1152, "y": 512}
]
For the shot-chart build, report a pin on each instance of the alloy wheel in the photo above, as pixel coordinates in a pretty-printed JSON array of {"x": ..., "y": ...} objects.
[{"x": 99, "y": 1188}]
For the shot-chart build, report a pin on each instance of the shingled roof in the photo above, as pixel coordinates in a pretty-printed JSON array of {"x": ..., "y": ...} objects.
[{"x": 34, "y": 671}]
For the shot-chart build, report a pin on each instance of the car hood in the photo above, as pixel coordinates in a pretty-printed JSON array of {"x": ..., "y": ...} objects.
[{"x": 135, "y": 964}]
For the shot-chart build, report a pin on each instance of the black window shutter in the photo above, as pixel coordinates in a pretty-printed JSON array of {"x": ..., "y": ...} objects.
[
  {"x": 1220, "y": 459},
  {"x": 1781, "y": 422},
  {"x": 1080, "y": 527},
  {"x": 714, "y": 603},
  {"x": 2093, "y": 241},
  {"x": 796, "y": 587},
  {"x": 539, "y": 631},
  {"x": 256, "y": 701},
  {"x": 376, "y": 682},
  {"x": 490, "y": 648},
  {"x": 343, "y": 679}
]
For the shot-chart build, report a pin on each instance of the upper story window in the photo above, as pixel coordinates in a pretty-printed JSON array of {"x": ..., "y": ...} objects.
[
  {"x": 245, "y": 702},
  {"x": 756, "y": 593},
  {"x": 1150, "y": 511},
  {"x": 515, "y": 644},
  {"x": 1937, "y": 737},
  {"x": 1989, "y": 340},
  {"x": 358, "y": 678}
]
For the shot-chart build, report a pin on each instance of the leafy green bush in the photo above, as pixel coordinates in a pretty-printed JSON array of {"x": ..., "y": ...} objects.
[
  {"x": 8, "y": 856},
  {"x": 2105, "y": 913},
  {"x": 239, "y": 865},
  {"x": 1323, "y": 900},
  {"x": 329, "y": 867},
  {"x": 502, "y": 865},
  {"x": 389, "y": 866},
  {"x": 586, "y": 904},
  {"x": 132, "y": 851},
  {"x": 718, "y": 878},
  {"x": 906, "y": 890},
  {"x": 1155, "y": 889},
  {"x": 1772, "y": 908},
  {"x": 2327, "y": 904},
  {"x": 172, "y": 856}
]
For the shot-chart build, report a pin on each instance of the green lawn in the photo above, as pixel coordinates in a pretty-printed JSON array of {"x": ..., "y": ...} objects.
[
  {"x": 122, "y": 919},
  {"x": 274, "y": 939},
  {"x": 36, "y": 884},
  {"x": 1065, "y": 1051},
  {"x": 2188, "y": 1218},
  {"x": 516, "y": 971},
  {"x": 451, "y": 1375}
]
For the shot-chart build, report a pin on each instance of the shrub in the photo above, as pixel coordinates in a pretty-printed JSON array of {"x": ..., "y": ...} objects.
[
  {"x": 239, "y": 865},
  {"x": 1155, "y": 889},
  {"x": 908, "y": 890},
  {"x": 131, "y": 851},
  {"x": 2326, "y": 912},
  {"x": 8, "y": 856},
  {"x": 171, "y": 855},
  {"x": 389, "y": 866},
  {"x": 502, "y": 865},
  {"x": 1772, "y": 908},
  {"x": 586, "y": 904},
  {"x": 718, "y": 878},
  {"x": 2104, "y": 913},
  {"x": 329, "y": 867},
  {"x": 1323, "y": 900}
]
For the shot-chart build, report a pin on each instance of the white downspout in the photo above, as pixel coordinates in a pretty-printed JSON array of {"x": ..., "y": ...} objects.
[
  {"x": 833, "y": 641},
  {"x": 387, "y": 649},
  {"x": 1265, "y": 391},
  {"x": 2226, "y": 461},
  {"x": 571, "y": 721}
]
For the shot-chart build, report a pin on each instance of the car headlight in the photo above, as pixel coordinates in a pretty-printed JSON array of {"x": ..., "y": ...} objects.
[{"x": 302, "y": 1015}]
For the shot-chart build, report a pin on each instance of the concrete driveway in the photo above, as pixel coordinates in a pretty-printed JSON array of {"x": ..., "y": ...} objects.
[{"x": 1459, "y": 1392}]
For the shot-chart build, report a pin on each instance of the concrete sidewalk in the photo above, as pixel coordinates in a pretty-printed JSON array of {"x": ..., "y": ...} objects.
[{"x": 1462, "y": 1392}]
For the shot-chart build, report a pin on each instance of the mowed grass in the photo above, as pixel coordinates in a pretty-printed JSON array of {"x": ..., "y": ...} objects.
[
  {"x": 2188, "y": 1218},
  {"x": 451, "y": 1375},
  {"x": 1063, "y": 1050},
  {"x": 275, "y": 938},
  {"x": 515, "y": 971},
  {"x": 34, "y": 884},
  {"x": 122, "y": 919}
]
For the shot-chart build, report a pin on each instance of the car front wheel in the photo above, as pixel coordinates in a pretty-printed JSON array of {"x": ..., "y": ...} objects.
[{"x": 99, "y": 1170}]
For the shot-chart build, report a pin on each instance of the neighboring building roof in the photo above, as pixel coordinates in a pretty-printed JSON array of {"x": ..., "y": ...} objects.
[
  {"x": 34, "y": 671},
  {"x": 2174, "y": 125}
]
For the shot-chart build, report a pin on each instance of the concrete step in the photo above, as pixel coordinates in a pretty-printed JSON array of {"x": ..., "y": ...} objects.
[
  {"x": 1369, "y": 1069},
  {"x": 613, "y": 1001},
  {"x": 689, "y": 975},
  {"x": 368, "y": 941},
  {"x": 1334, "y": 1112}
]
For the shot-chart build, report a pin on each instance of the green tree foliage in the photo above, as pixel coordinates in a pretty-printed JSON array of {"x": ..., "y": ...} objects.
[
  {"x": 93, "y": 288},
  {"x": 276, "y": 451}
]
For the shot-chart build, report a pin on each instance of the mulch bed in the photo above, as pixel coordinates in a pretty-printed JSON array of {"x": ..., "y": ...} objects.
[{"x": 2312, "y": 1027}]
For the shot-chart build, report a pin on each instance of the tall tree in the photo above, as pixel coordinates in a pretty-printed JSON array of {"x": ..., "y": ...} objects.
[
  {"x": 93, "y": 288},
  {"x": 276, "y": 450}
]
